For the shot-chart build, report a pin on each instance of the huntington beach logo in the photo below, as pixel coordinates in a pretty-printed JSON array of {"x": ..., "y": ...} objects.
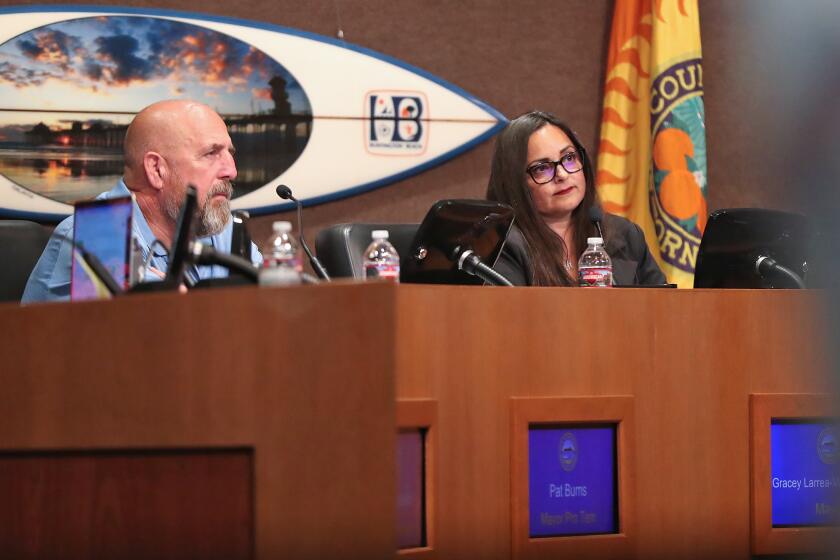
[
  {"x": 678, "y": 174},
  {"x": 568, "y": 451},
  {"x": 395, "y": 122},
  {"x": 827, "y": 446}
]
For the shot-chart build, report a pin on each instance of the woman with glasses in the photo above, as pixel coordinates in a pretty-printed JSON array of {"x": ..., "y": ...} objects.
[{"x": 541, "y": 169}]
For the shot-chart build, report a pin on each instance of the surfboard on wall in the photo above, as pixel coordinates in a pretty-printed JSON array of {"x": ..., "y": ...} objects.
[{"x": 327, "y": 118}]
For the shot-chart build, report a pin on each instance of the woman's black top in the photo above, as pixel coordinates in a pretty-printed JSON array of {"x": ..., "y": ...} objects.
[{"x": 633, "y": 265}]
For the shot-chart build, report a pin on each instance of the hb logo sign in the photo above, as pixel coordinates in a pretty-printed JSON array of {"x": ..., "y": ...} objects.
[{"x": 395, "y": 122}]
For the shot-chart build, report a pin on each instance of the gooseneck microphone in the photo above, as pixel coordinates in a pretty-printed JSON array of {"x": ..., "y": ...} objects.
[
  {"x": 285, "y": 193},
  {"x": 471, "y": 263},
  {"x": 767, "y": 267},
  {"x": 596, "y": 216}
]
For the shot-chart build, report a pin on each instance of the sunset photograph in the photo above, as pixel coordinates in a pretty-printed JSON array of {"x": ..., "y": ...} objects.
[{"x": 69, "y": 90}]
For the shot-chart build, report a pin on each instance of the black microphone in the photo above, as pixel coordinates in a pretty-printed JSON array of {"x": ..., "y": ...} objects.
[
  {"x": 471, "y": 263},
  {"x": 179, "y": 254},
  {"x": 285, "y": 193},
  {"x": 596, "y": 216},
  {"x": 766, "y": 267},
  {"x": 240, "y": 243},
  {"x": 184, "y": 233}
]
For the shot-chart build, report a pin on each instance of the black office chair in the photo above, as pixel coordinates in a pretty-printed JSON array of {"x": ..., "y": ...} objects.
[
  {"x": 21, "y": 244},
  {"x": 340, "y": 247},
  {"x": 756, "y": 248}
]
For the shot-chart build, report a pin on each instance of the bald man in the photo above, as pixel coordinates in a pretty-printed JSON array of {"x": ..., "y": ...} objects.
[{"x": 168, "y": 145}]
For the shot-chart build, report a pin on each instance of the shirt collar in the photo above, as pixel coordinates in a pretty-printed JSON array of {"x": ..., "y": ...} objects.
[{"x": 141, "y": 226}]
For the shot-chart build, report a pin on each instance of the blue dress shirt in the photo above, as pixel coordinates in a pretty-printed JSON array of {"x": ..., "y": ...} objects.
[{"x": 50, "y": 279}]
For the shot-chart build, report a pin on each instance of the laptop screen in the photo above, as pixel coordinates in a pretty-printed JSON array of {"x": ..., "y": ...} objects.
[{"x": 103, "y": 228}]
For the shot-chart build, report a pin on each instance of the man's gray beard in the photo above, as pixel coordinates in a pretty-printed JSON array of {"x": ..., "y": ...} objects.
[{"x": 211, "y": 220}]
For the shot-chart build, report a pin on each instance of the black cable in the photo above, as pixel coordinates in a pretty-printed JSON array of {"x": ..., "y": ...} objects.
[
  {"x": 765, "y": 266},
  {"x": 204, "y": 254},
  {"x": 101, "y": 272}
]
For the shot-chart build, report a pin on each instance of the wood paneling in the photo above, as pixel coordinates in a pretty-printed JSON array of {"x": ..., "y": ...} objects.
[
  {"x": 766, "y": 539},
  {"x": 617, "y": 411},
  {"x": 422, "y": 413},
  {"x": 139, "y": 504},
  {"x": 690, "y": 359},
  {"x": 303, "y": 376}
]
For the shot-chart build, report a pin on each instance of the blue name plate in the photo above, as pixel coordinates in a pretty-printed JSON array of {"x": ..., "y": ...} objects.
[
  {"x": 803, "y": 473},
  {"x": 572, "y": 480}
]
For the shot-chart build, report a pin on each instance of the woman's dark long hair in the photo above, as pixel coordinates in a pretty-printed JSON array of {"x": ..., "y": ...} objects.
[{"x": 508, "y": 184}]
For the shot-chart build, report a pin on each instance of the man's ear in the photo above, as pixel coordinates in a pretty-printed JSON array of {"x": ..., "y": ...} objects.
[{"x": 155, "y": 168}]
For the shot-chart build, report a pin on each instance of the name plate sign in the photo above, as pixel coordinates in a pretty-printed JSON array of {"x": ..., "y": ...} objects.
[
  {"x": 803, "y": 473},
  {"x": 572, "y": 480}
]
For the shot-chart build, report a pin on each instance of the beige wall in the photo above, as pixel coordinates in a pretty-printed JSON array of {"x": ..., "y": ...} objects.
[{"x": 527, "y": 54}]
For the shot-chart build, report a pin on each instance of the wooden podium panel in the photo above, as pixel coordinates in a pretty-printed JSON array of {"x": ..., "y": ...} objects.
[
  {"x": 764, "y": 409},
  {"x": 135, "y": 504},
  {"x": 297, "y": 388},
  {"x": 299, "y": 380},
  {"x": 689, "y": 359},
  {"x": 422, "y": 414},
  {"x": 566, "y": 412}
]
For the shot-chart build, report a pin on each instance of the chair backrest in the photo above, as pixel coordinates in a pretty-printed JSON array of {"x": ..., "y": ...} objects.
[
  {"x": 21, "y": 244},
  {"x": 734, "y": 238},
  {"x": 340, "y": 247}
]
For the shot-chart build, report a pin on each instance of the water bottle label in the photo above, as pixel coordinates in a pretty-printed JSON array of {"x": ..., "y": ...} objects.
[
  {"x": 387, "y": 271},
  {"x": 279, "y": 276},
  {"x": 288, "y": 262},
  {"x": 595, "y": 277}
]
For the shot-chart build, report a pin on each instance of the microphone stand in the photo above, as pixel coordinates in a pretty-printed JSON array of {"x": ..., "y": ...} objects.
[{"x": 285, "y": 193}]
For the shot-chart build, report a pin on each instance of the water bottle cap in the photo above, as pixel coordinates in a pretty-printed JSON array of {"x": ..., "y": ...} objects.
[
  {"x": 379, "y": 234},
  {"x": 594, "y": 241},
  {"x": 282, "y": 227}
]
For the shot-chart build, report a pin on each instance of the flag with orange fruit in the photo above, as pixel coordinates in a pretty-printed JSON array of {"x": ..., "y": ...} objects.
[{"x": 652, "y": 152}]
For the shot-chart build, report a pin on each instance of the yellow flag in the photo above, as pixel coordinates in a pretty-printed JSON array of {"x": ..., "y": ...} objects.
[{"x": 652, "y": 153}]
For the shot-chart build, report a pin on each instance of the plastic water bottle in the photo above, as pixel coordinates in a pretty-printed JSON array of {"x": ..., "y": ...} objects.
[
  {"x": 381, "y": 259},
  {"x": 282, "y": 263},
  {"x": 595, "y": 266}
]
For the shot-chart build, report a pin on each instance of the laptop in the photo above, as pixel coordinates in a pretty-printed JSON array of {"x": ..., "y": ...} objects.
[{"x": 102, "y": 228}]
